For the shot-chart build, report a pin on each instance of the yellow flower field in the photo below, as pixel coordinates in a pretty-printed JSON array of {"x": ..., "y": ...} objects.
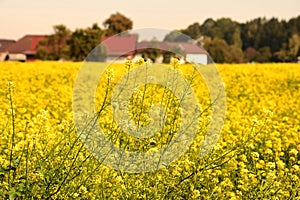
[{"x": 256, "y": 157}]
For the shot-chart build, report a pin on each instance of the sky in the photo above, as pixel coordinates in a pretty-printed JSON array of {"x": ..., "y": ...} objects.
[{"x": 21, "y": 17}]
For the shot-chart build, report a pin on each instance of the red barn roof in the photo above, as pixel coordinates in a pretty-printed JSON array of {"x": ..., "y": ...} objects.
[
  {"x": 27, "y": 44},
  {"x": 190, "y": 48},
  {"x": 152, "y": 44},
  {"x": 5, "y": 44},
  {"x": 120, "y": 45}
]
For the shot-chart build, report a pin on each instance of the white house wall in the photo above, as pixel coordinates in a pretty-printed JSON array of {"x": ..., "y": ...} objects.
[
  {"x": 196, "y": 58},
  {"x": 17, "y": 57}
]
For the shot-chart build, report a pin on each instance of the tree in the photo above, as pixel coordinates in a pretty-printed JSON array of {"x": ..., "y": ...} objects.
[
  {"x": 223, "y": 28},
  {"x": 117, "y": 23},
  {"x": 250, "y": 54},
  {"x": 221, "y": 52},
  {"x": 228, "y": 29},
  {"x": 289, "y": 53},
  {"x": 263, "y": 55},
  {"x": 249, "y": 32},
  {"x": 294, "y": 46},
  {"x": 56, "y": 46},
  {"x": 272, "y": 34},
  {"x": 208, "y": 28},
  {"x": 176, "y": 36},
  {"x": 84, "y": 40},
  {"x": 193, "y": 31},
  {"x": 235, "y": 55},
  {"x": 218, "y": 49},
  {"x": 293, "y": 26},
  {"x": 236, "y": 38}
]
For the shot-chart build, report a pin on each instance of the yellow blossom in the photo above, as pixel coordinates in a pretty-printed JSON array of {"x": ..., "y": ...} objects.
[
  {"x": 196, "y": 194},
  {"x": 255, "y": 156}
]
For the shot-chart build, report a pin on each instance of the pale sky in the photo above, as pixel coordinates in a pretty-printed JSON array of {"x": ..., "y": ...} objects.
[{"x": 20, "y": 17}]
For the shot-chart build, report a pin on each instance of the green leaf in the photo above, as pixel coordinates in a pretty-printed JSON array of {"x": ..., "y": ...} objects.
[{"x": 12, "y": 194}]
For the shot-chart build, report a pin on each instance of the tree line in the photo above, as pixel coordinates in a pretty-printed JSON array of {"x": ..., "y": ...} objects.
[
  {"x": 258, "y": 40},
  {"x": 227, "y": 41}
]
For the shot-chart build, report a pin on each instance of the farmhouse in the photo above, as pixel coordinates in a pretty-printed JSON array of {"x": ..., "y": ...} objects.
[
  {"x": 24, "y": 49},
  {"x": 187, "y": 51},
  {"x": 193, "y": 53}
]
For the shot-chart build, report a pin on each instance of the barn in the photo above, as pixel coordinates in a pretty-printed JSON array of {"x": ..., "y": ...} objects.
[
  {"x": 25, "y": 49},
  {"x": 190, "y": 52}
]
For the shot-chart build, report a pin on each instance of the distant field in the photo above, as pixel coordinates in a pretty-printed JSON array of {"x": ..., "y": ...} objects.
[{"x": 257, "y": 155}]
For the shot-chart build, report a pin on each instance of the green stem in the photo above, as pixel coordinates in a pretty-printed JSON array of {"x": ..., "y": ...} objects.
[{"x": 13, "y": 133}]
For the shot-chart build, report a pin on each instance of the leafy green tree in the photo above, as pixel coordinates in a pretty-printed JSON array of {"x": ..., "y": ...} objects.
[
  {"x": 235, "y": 55},
  {"x": 78, "y": 50},
  {"x": 228, "y": 30},
  {"x": 83, "y": 41},
  {"x": 221, "y": 52},
  {"x": 290, "y": 52},
  {"x": 263, "y": 55},
  {"x": 56, "y": 46},
  {"x": 236, "y": 38},
  {"x": 272, "y": 34},
  {"x": 249, "y": 32},
  {"x": 176, "y": 36},
  {"x": 223, "y": 28},
  {"x": 281, "y": 56},
  {"x": 218, "y": 49},
  {"x": 117, "y": 23},
  {"x": 293, "y": 26},
  {"x": 209, "y": 29},
  {"x": 193, "y": 31},
  {"x": 294, "y": 46}
]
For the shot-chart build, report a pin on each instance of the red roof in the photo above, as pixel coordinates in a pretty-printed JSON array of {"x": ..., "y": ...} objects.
[
  {"x": 120, "y": 45},
  {"x": 155, "y": 44},
  {"x": 190, "y": 48},
  {"x": 27, "y": 44},
  {"x": 5, "y": 44}
]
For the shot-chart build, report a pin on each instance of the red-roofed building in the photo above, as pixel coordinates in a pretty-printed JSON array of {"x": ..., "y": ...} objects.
[
  {"x": 120, "y": 48},
  {"x": 4, "y": 45},
  {"x": 193, "y": 53},
  {"x": 190, "y": 51},
  {"x": 25, "y": 48}
]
